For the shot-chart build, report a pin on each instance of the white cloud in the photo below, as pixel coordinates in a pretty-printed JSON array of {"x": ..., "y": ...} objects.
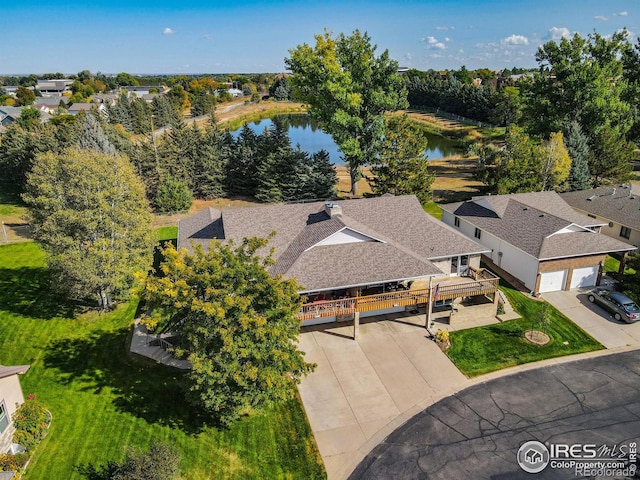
[
  {"x": 445, "y": 28},
  {"x": 556, "y": 33},
  {"x": 621, "y": 14},
  {"x": 515, "y": 40},
  {"x": 207, "y": 36},
  {"x": 433, "y": 43},
  {"x": 168, "y": 31},
  {"x": 600, "y": 17},
  {"x": 447, "y": 39}
]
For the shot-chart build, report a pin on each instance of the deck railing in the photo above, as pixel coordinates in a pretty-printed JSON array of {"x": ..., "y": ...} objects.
[{"x": 481, "y": 282}]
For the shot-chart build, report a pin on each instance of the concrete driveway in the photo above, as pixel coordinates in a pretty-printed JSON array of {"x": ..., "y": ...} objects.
[
  {"x": 595, "y": 320},
  {"x": 362, "y": 390},
  {"x": 477, "y": 432}
]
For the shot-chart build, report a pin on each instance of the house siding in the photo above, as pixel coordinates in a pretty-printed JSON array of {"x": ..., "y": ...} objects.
[
  {"x": 614, "y": 230},
  {"x": 11, "y": 395},
  {"x": 516, "y": 262}
]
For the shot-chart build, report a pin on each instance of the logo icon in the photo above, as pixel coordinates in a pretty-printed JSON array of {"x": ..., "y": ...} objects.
[{"x": 533, "y": 456}]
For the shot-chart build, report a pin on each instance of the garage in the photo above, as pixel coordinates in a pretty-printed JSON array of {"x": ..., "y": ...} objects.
[
  {"x": 552, "y": 281},
  {"x": 584, "y": 277}
]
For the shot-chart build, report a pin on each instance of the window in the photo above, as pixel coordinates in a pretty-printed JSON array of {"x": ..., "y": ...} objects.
[
  {"x": 625, "y": 232},
  {"x": 4, "y": 418},
  {"x": 478, "y": 233},
  {"x": 456, "y": 221},
  {"x": 592, "y": 216}
]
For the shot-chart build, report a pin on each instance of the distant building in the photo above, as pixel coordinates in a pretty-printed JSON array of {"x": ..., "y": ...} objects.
[
  {"x": 54, "y": 87},
  {"x": 86, "y": 107}
]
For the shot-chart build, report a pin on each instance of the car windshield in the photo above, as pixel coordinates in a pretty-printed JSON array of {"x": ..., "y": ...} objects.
[{"x": 631, "y": 308}]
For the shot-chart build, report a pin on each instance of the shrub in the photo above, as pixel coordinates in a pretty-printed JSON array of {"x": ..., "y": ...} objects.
[
  {"x": 30, "y": 421},
  {"x": 12, "y": 462},
  {"x": 173, "y": 195},
  {"x": 442, "y": 336}
]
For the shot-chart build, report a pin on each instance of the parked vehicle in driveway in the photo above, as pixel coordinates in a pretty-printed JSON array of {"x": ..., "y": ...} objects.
[{"x": 621, "y": 306}]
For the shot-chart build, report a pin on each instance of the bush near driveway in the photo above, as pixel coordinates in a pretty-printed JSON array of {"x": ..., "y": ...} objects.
[{"x": 493, "y": 347}]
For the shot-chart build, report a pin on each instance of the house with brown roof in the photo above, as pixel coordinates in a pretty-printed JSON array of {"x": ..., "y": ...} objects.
[
  {"x": 11, "y": 398},
  {"x": 537, "y": 238},
  {"x": 617, "y": 208},
  {"x": 355, "y": 258}
]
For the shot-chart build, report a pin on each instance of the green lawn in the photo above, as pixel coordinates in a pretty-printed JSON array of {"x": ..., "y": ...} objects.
[
  {"x": 11, "y": 205},
  {"x": 612, "y": 264},
  {"x": 484, "y": 349},
  {"x": 166, "y": 233},
  {"x": 433, "y": 209},
  {"x": 103, "y": 400}
]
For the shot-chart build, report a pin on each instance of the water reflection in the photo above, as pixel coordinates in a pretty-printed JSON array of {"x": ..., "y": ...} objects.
[{"x": 306, "y": 133}]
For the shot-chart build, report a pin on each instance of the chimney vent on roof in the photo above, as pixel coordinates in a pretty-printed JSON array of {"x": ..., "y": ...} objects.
[{"x": 332, "y": 209}]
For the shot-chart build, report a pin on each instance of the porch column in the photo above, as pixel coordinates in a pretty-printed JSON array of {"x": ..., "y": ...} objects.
[
  {"x": 429, "y": 305},
  {"x": 356, "y": 325},
  {"x": 623, "y": 263}
]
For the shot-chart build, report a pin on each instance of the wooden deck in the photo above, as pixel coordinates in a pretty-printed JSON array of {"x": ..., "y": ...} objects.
[{"x": 479, "y": 282}]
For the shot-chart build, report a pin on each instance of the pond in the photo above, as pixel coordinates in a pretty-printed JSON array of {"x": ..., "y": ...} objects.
[{"x": 305, "y": 132}]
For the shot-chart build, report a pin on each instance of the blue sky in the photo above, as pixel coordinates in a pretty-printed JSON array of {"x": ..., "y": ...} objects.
[{"x": 255, "y": 35}]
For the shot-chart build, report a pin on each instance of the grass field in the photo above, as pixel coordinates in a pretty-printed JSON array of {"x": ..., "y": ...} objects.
[
  {"x": 493, "y": 347},
  {"x": 104, "y": 400}
]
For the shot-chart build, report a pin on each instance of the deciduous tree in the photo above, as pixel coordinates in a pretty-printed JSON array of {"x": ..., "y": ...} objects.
[
  {"x": 348, "y": 89},
  {"x": 239, "y": 325},
  {"x": 557, "y": 163},
  {"x": 89, "y": 212}
]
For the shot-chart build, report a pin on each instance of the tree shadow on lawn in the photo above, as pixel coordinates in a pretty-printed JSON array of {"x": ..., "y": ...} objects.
[
  {"x": 98, "y": 363},
  {"x": 28, "y": 291}
]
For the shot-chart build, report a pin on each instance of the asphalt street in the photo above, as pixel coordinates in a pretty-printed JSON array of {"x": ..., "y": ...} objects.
[{"x": 477, "y": 432}]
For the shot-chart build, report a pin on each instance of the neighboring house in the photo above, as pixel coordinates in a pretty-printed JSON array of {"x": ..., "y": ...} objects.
[
  {"x": 49, "y": 105},
  {"x": 141, "y": 91},
  {"x": 54, "y": 87},
  {"x": 618, "y": 208},
  {"x": 355, "y": 258},
  {"x": 11, "y": 398},
  {"x": 105, "y": 98},
  {"x": 8, "y": 115},
  {"x": 536, "y": 237},
  {"x": 87, "y": 107}
]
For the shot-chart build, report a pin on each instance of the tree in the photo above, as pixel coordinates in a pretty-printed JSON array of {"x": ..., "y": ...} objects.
[
  {"x": 160, "y": 462},
  {"x": 89, "y": 212},
  {"x": 92, "y": 137},
  {"x": 173, "y": 195},
  {"x": 348, "y": 89},
  {"x": 238, "y": 323},
  {"x": 611, "y": 157},
  {"x": 124, "y": 79},
  {"x": 557, "y": 164},
  {"x": 518, "y": 166},
  {"x": 579, "y": 152},
  {"x": 402, "y": 166},
  {"x": 25, "y": 96},
  {"x": 29, "y": 118}
]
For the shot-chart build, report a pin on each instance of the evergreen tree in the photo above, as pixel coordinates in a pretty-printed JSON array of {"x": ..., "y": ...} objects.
[
  {"x": 578, "y": 149},
  {"x": 92, "y": 137},
  {"x": 241, "y": 168},
  {"x": 323, "y": 178},
  {"x": 172, "y": 195},
  {"x": 163, "y": 112}
]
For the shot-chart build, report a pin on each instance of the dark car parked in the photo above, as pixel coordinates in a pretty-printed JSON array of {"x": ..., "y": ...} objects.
[{"x": 621, "y": 306}]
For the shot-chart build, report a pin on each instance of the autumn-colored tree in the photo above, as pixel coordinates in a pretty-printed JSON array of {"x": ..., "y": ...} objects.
[
  {"x": 557, "y": 164},
  {"x": 239, "y": 325}
]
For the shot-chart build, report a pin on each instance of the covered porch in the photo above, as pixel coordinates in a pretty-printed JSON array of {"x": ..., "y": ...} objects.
[{"x": 351, "y": 304}]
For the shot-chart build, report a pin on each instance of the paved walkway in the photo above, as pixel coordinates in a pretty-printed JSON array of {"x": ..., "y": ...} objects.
[
  {"x": 140, "y": 344},
  {"x": 361, "y": 389}
]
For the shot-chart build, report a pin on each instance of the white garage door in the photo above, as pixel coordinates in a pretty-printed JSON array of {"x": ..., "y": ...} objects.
[
  {"x": 584, "y": 277},
  {"x": 552, "y": 281}
]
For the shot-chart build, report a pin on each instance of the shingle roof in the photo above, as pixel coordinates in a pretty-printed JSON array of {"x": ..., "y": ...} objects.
[
  {"x": 405, "y": 239},
  {"x": 12, "y": 370},
  {"x": 617, "y": 204},
  {"x": 534, "y": 230}
]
